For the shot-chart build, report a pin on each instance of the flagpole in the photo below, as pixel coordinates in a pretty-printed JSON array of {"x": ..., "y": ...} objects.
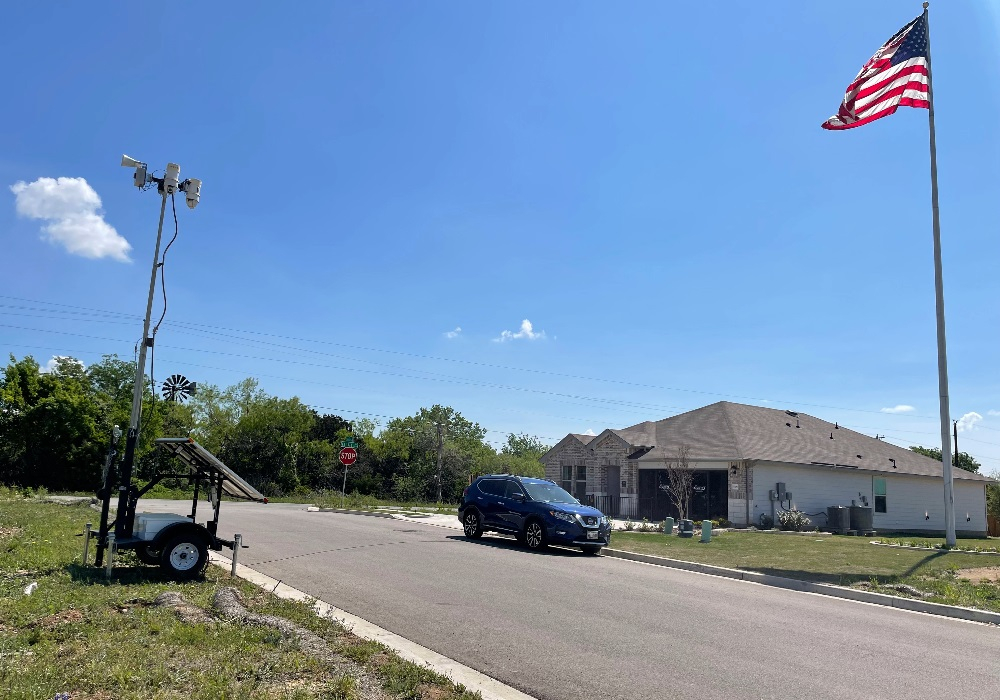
[{"x": 946, "y": 468}]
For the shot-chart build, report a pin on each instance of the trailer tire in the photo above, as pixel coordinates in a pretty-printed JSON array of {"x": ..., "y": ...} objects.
[
  {"x": 185, "y": 556},
  {"x": 148, "y": 555}
]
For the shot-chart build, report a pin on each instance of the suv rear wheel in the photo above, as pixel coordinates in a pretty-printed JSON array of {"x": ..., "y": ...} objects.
[
  {"x": 472, "y": 524},
  {"x": 534, "y": 535}
]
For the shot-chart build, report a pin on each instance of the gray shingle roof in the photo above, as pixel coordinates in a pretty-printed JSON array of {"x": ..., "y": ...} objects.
[
  {"x": 583, "y": 437},
  {"x": 733, "y": 431}
]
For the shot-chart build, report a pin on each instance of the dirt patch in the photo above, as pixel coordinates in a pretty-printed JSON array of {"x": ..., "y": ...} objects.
[
  {"x": 432, "y": 692},
  {"x": 6, "y": 532},
  {"x": 63, "y": 617},
  {"x": 982, "y": 574}
]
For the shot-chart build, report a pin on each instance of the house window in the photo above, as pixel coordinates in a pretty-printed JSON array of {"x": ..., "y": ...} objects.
[
  {"x": 567, "y": 479},
  {"x": 879, "y": 490},
  {"x": 581, "y": 483}
]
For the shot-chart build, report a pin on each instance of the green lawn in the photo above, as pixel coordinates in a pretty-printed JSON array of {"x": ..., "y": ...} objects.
[
  {"x": 104, "y": 640},
  {"x": 832, "y": 559}
]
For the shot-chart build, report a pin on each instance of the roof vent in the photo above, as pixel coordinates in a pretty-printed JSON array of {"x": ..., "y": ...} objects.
[
  {"x": 788, "y": 425},
  {"x": 793, "y": 414},
  {"x": 893, "y": 462},
  {"x": 860, "y": 457},
  {"x": 797, "y": 423},
  {"x": 836, "y": 426},
  {"x": 831, "y": 436}
]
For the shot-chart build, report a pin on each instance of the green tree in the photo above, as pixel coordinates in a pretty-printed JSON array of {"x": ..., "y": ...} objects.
[
  {"x": 49, "y": 426},
  {"x": 523, "y": 445},
  {"x": 963, "y": 461},
  {"x": 993, "y": 496},
  {"x": 439, "y": 449}
]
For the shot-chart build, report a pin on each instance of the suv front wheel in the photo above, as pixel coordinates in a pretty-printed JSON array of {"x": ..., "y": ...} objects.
[
  {"x": 472, "y": 524},
  {"x": 534, "y": 535}
]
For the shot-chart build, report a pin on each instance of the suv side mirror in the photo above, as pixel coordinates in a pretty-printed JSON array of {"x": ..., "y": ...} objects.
[{"x": 518, "y": 496}]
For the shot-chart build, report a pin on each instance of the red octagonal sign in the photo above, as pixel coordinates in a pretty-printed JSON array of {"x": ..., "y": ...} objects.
[{"x": 348, "y": 456}]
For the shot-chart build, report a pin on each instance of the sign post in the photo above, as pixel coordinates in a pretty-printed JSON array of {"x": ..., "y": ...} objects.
[{"x": 348, "y": 456}]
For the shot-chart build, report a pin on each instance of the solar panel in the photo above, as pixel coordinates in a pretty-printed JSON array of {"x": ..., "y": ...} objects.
[{"x": 199, "y": 459}]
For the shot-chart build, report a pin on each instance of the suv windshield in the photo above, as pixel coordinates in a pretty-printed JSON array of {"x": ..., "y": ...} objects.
[{"x": 548, "y": 493}]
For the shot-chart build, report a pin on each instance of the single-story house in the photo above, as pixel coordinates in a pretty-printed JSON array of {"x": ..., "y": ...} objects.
[{"x": 743, "y": 456}]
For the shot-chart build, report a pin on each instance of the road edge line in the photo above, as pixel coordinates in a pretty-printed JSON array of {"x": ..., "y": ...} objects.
[
  {"x": 490, "y": 688},
  {"x": 909, "y": 604}
]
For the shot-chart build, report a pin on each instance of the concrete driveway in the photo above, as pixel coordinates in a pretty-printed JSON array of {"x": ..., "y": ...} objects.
[{"x": 566, "y": 626}]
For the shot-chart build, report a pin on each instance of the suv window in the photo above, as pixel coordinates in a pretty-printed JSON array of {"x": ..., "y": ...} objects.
[
  {"x": 492, "y": 487},
  {"x": 514, "y": 489}
]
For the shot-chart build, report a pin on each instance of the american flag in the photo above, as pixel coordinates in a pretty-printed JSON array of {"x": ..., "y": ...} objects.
[{"x": 895, "y": 76}]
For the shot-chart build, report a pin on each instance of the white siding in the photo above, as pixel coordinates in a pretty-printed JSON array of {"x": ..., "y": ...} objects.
[{"x": 908, "y": 498}]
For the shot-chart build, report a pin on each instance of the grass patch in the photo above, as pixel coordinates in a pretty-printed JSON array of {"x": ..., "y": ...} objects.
[
  {"x": 101, "y": 640},
  {"x": 356, "y": 501},
  {"x": 826, "y": 558}
]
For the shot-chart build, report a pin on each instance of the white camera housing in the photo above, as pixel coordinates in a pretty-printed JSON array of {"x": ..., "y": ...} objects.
[
  {"x": 170, "y": 178},
  {"x": 192, "y": 191}
]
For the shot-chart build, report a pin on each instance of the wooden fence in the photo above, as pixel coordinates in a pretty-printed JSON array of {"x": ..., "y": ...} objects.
[{"x": 992, "y": 526}]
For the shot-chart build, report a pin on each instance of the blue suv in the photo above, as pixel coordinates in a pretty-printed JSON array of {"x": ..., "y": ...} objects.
[{"x": 537, "y": 512}]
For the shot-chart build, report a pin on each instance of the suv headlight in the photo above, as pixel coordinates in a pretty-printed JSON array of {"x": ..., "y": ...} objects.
[{"x": 568, "y": 517}]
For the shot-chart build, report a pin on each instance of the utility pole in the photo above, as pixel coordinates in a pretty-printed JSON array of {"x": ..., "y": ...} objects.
[{"x": 440, "y": 429}]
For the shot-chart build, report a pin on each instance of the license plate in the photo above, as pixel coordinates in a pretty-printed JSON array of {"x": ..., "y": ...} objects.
[{"x": 592, "y": 535}]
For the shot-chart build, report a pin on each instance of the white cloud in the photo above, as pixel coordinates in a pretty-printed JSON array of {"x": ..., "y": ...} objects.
[
  {"x": 589, "y": 431},
  {"x": 901, "y": 408},
  {"x": 993, "y": 412},
  {"x": 50, "y": 366},
  {"x": 454, "y": 333},
  {"x": 73, "y": 214},
  {"x": 968, "y": 421},
  {"x": 527, "y": 331}
]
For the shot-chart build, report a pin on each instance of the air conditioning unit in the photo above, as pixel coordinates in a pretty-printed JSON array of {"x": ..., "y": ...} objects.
[{"x": 838, "y": 519}]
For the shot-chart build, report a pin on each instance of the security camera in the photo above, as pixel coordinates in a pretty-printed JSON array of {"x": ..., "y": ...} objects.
[
  {"x": 192, "y": 189},
  {"x": 170, "y": 178}
]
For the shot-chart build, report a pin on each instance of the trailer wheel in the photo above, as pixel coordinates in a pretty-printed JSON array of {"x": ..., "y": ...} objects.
[
  {"x": 184, "y": 557},
  {"x": 148, "y": 556}
]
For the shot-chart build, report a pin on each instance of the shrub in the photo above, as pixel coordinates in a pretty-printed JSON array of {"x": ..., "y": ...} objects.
[
  {"x": 766, "y": 522},
  {"x": 629, "y": 525},
  {"x": 793, "y": 520}
]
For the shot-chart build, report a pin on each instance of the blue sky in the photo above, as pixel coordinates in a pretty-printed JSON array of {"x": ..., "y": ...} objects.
[{"x": 646, "y": 183}]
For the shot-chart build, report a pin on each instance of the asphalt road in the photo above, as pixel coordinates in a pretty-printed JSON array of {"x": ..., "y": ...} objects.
[{"x": 563, "y": 626}]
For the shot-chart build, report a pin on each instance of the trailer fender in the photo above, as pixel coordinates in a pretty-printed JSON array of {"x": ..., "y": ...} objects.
[{"x": 174, "y": 529}]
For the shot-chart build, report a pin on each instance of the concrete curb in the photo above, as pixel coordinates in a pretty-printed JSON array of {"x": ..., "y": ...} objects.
[
  {"x": 489, "y": 688},
  {"x": 932, "y": 549},
  {"x": 791, "y": 584},
  {"x": 348, "y": 511}
]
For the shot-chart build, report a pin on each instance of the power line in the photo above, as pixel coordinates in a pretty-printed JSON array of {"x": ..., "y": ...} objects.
[{"x": 216, "y": 329}]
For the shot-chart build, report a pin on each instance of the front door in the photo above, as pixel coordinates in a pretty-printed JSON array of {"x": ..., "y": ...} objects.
[{"x": 614, "y": 490}]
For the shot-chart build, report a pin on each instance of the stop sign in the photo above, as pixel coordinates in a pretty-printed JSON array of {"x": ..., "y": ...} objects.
[{"x": 348, "y": 456}]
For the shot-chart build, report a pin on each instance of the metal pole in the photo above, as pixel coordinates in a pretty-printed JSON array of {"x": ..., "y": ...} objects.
[
  {"x": 86, "y": 543},
  {"x": 237, "y": 544},
  {"x": 946, "y": 467},
  {"x": 112, "y": 550},
  {"x": 123, "y": 524},
  {"x": 343, "y": 491},
  {"x": 954, "y": 458}
]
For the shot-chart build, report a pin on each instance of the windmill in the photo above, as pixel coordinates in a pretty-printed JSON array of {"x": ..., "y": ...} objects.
[{"x": 178, "y": 388}]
